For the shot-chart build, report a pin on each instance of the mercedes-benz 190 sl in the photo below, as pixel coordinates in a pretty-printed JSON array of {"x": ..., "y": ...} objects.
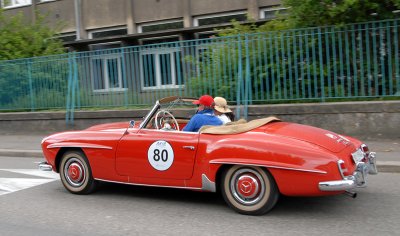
[{"x": 250, "y": 163}]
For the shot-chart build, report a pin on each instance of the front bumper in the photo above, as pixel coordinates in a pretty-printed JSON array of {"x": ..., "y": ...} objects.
[
  {"x": 357, "y": 180},
  {"x": 44, "y": 166}
]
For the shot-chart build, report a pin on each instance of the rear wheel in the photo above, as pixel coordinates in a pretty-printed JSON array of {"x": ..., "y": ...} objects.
[
  {"x": 75, "y": 173},
  {"x": 249, "y": 190}
]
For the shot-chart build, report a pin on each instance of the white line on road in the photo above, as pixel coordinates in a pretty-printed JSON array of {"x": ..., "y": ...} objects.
[
  {"x": 34, "y": 172},
  {"x": 10, "y": 185}
]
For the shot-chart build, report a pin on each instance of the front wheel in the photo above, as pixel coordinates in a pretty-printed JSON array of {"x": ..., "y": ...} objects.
[
  {"x": 249, "y": 190},
  {"x": 75, "y": 173}
]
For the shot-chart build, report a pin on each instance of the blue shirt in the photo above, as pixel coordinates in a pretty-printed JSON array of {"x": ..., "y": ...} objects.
[{"x": 205, "y": 117}]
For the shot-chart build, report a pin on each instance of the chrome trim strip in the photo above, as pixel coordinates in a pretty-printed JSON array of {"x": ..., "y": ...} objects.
[
  {"x": 207, "y": 185},
  {"x": 149, "y": 115},
  {"x": 269, "y": 166},
  {"x": 61, "y": 145},
  {"x": 148, "y": 185}
]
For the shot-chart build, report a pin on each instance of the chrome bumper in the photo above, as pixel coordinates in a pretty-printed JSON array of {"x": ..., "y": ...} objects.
[
  {"x": 44, "y": 166},
  {"x": 357, "y": 180}
]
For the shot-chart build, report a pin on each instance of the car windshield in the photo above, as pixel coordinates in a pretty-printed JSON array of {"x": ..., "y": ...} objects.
[
  {"x": 180, "y": 108},
  {"x": 178, "y": 105}
]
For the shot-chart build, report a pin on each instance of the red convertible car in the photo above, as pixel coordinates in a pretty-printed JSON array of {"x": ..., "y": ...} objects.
[{"x": 250, "y": 163}]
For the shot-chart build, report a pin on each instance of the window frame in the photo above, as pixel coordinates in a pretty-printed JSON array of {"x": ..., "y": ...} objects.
[
  {"x": 90, "y": 32},
  {"x": 158, "y": 80},
  {"x": 197, "y": 18},
  {"x": 105, "y": 71},
  {"x": 274, "y": 8},
  {"x": 140, "y": 25},
  {"x": 13, "y": 5},
  {"x": 67, "y": 34},
  {"x": 43, "y": 1}
]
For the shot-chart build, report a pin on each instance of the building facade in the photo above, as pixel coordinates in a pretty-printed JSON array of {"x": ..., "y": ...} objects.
[{"x": 102, "y": 24}]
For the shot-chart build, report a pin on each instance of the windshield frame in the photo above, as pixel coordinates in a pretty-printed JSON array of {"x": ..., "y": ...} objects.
[{"x": 157, "y": 105}]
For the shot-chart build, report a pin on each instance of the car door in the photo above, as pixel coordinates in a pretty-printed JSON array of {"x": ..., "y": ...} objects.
[{"x": 151, "y": 153}]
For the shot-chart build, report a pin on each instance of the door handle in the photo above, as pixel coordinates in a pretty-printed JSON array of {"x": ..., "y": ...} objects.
[{"x": 188, "y": 147}]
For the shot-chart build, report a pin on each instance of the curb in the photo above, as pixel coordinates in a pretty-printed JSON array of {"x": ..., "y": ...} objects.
[
  {"x": 383, "y": 166},
  {"x": 20, "y": 153},
  {"x": 388, "y": 166}
]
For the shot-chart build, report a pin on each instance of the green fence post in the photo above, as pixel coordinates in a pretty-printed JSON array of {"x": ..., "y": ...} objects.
[
  {"x": 382, "y": 52},
  {"x": 247, "y": 92},
  {"x": 31, "y": 93},
  {"x": 70, "y": 74},
  {"x": 375, "y": 59},
  {"x": 396, "y": 57},
  {"x": 354, "y": 54},
  {"x": 389, "y": 57},
  {"x": 361, "y": 52},
  {"x": 76, "y": 89},
  {"x": 321, "y": 65},
  {"x": 124, "y": 79},
  {"x": 240, "y": 77}
]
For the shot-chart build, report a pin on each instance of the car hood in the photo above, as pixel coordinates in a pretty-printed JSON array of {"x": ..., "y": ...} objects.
[
  {"x": 109, "y": 126},
  {"x": 320, "y": 137}
]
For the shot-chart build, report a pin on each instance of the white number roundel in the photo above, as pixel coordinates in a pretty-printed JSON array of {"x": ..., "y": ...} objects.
[{"x": 160, "y": 155}]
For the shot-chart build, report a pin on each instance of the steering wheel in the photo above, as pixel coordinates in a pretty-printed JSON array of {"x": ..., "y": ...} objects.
[{"x": 164, "y": 116}]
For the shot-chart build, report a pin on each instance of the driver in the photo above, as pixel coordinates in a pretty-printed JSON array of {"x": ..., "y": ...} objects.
[{"x": 204, "y": 116}]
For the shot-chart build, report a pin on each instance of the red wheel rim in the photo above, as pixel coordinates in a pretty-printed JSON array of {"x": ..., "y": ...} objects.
[
  {"x": 74, "y": 172},
  {"x": 247, "y": 186}
]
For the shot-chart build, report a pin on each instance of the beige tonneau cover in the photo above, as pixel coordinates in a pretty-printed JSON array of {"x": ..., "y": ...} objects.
[{"x": 237, "y": 127}]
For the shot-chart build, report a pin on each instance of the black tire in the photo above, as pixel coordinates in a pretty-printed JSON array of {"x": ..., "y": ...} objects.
[
  {"x": 249, "y": 190},
  {"x": 75, "y": 173}
]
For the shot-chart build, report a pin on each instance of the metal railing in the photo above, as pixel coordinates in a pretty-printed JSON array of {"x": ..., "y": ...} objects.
[{"x": 351, "y": 61}]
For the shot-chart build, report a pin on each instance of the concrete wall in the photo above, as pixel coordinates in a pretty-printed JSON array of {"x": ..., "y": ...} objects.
[
  {"x": 103, "y": 13},
  {"x": 366, "y": 120},
  {"x": 154, "y": 10},
  {"x": 99, "y": 14},
  {"x": 59, "y": 12}
]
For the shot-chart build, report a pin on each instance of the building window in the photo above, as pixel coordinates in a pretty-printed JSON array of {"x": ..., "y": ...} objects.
[
  {"x": 67, "y": 37},
  {"x": 219, "y": 18},
  {"x": 156, "y": 40},
  {"x": 162, "y": 25},
  {"x": 107, "y": 73},
  {"x": 102, "y": 46},
  {"x": 272, "y": 12},
  {"x": 205, "y": 35},
  {"x": 107, "y": 69},
  {"x": 15, "y": 3},
  {"x": 161, "y": 68},
  {"x": 102, "y": 33}
]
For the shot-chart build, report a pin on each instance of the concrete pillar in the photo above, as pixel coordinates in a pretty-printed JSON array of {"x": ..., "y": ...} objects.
[
  {"x": 79, "y": 23},
  {"x": 253, "y": 9},
  {"x": 130, "y": 17},
  {"x": 33, "y": 9},
  {"x": 187, "y": 14}
]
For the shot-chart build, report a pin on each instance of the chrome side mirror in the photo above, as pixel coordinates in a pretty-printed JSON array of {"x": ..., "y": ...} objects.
[{"x": 131, "y": 124}]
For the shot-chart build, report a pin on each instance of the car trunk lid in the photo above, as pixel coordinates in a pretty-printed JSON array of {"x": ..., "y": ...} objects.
[{"x": 320, "y": 137}]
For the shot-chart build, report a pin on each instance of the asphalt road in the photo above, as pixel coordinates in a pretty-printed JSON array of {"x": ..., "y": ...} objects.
[{"x": 41, "y": 206}]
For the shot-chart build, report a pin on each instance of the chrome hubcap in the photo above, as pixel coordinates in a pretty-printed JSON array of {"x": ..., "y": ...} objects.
[
  {"x": 247, "y": 186},
  {"x": 74, "y": 172}
]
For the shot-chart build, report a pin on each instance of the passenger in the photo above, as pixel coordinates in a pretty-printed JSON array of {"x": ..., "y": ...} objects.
[
  {"x": 204, "y": 116},
  {"x": 222, "y": 110}
]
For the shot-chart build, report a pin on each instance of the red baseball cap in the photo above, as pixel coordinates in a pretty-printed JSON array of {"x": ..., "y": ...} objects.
[{"x": 205, "y": 100}]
